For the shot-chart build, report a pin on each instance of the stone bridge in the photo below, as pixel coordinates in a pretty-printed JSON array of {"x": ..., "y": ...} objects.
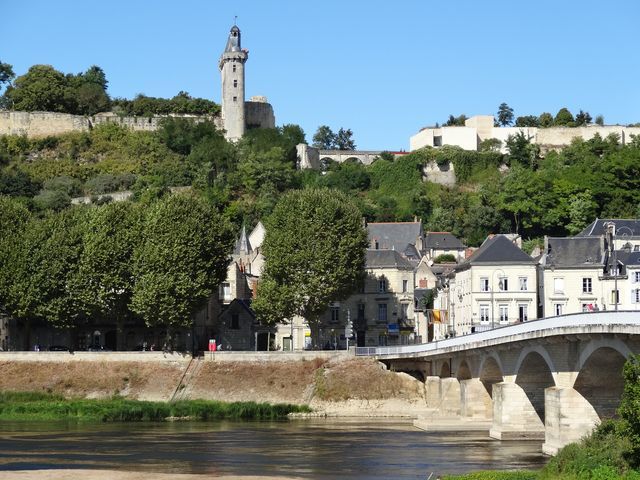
[
  {"x": 311, "y": 157},
  {"x": 552, "y": 379}
]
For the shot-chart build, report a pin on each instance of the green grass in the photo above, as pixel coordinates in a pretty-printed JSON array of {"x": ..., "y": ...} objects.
[
  {"x": 40, "y": 406},
  {"x": 494, "y": 475}
]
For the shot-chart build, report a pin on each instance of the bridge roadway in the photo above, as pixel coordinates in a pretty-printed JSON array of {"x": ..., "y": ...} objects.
[{"x": 554, "y": 378}]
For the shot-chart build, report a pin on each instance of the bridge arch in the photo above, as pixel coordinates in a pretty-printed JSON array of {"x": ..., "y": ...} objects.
[
  {"x": 463, "y": 372},
  {"x": 445, "y": 369},
  {"x": 490, "y": 373},
  {"x": 595, "y": 344},
  {"x": 354, "y": 160},
  {"x": 600, "y": 379},
  {"x": 533, "y": 375},
  {"x": 540, "y": 350}
]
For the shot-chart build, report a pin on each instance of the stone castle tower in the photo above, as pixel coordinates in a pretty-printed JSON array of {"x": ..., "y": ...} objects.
[{"x": 232, "y": 70}]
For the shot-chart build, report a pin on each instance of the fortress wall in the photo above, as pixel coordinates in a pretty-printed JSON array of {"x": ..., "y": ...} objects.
[
  {"x": 557, "y": 137},
  {"x": 43, "y": 124},
  {"x": 259, "y": 115}
]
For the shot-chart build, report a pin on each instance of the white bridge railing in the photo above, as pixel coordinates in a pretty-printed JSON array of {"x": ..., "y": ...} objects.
[{"x": 550, "y": 326}]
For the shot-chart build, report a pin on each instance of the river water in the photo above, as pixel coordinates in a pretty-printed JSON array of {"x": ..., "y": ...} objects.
[{"x": 310, "y": 449}]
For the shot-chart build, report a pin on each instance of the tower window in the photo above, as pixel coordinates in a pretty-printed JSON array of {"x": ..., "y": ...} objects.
[
  {"x": 235, "y": 83},
  {"x": 235, "y": 99},
  {"x": 234, "y": 68}
]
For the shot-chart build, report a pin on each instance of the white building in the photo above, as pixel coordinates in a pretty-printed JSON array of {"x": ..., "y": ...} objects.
[
  {"x": 481, "y": 127},
  {"x": 495, "y": 286}
]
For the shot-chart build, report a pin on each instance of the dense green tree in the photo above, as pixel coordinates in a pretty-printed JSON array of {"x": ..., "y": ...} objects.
[
  {"x": 521, "y": 150},
  {"x": 17, "y": 184},
  {"x": 182, "y": 134},
  {"x": 629, "y": 410},
  {"x": 41, "y": 88},
  {"x": 180, "y": 261},
  {"x": 505, "y": 115},
  {"x": 104, "y": 283},
  {"x": 583, "y": 118},
  {"x": 545, "y": 120},
  {"x": 344, "y": 140},
  {"x": 41, "y": 266},
  {"x": 315, "y": 253},
  {"x": 600, "y": 120},
  {"x": 563, "y": 118},
  {"x": 55, "y": 200},
  {"x": 528, "y": 121},
  {"x": 455, "y": 121},
  {"x": 324, "y": 138},
  {"x": 6, "y": 74}
]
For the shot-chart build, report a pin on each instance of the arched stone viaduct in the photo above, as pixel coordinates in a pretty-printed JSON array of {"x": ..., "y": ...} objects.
[{"x": 553, "y": 379}]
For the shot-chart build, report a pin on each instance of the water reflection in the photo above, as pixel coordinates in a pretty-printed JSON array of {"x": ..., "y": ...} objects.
[{"x": 318, "y": 449}]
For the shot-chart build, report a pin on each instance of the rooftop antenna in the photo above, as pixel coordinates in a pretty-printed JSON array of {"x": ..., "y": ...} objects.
[{"x": 235, "y": 20}]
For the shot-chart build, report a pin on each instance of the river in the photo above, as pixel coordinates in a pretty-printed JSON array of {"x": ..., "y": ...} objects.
[{"x": 310, "y": 449}]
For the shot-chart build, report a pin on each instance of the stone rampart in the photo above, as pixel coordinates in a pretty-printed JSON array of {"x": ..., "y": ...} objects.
[{"x": 43, "y": 124}]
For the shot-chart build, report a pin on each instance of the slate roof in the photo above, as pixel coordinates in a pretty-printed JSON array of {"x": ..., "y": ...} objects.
[
  {"x": 387, "y": 259},
  {"x": 623, "y": 226},
  {"x": 497, "y": 250},
  {"x": 442, "y": 240},
  {"x": 400, "y": 236},
  {"x": 628, "y": 258},
  {"x": 574, "y": 252}
]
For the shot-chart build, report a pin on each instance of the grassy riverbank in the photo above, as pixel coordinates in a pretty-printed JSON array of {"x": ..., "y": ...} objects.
[{"x": 42, "y": 406}]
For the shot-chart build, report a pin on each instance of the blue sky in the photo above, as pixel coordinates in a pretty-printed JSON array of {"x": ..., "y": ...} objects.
[{"x": 382, "y": 68}]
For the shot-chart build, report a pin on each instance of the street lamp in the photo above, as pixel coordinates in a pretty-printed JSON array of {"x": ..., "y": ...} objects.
[{"x": 492, "y": 302}]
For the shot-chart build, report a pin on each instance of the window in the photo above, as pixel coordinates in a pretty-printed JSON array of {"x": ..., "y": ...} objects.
[
  {"x": 404, "y": 311},
  {"x": 335, "y": 314},
  {"x": 587, "y": 286},
  {"x": 504, "y": 313},
  {"x": 557, "y": 308},
  {"x": 635, "y": 295},
  {"x": 225, "y": 290},
  {"x": 636, "y": 277},
  {"x": 437, "y": 141},
  {"x": 382, "y": 312},
  {"x": 235, "y": 321},
  {"x": 523, "y": 284},
  {"x": 382, "y": 340},
  {"x": 361, "y": 311},
  {"x": 484, "y": 313},
  {"x": 586, "y": 307},
  {"x": 405, "y": 285},
  {"x": 484, "y": 284},
  {"x": 234, "y": 68},
  {"x": 503, "y": 284},
  {"x": 523, "y": 313},
  {"x": 615, "y": 296},
  {"x": 558, "y": 285},
  {"x": 382, "y": 285},
  {"x": 235, "y": 99}
]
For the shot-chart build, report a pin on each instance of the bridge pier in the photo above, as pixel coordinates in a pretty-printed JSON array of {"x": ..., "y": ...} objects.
[
  {"x": 568, "y": 418},
  {"x": 475, "y": 400},
  {"x": 450, "y": 396},
  {"x": 433, "y": 392},
  {"x": 513, "y": 414}
]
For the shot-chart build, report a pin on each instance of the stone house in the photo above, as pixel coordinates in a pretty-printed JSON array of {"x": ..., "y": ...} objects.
[
  {"x": 382, "y": 312},
  {"x": 442, "y": 243},
  {"x": 496, "y": 286}
]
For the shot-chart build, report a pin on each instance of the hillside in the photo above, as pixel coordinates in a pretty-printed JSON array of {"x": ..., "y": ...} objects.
[{"x": 520, "y": 191}]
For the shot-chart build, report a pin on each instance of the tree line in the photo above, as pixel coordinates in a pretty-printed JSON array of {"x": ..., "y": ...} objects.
[
  {"x": 156, "y": 261},
  {"x": 43, "y": 88},
  {"x": 505, "y": 117}
]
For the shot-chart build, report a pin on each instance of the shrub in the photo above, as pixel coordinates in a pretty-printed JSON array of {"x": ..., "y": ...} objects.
[{"x": 64, "y": 183}]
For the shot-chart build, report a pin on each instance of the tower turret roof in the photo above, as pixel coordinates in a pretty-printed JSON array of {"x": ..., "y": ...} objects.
[{"x": 233, "y": 42}]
